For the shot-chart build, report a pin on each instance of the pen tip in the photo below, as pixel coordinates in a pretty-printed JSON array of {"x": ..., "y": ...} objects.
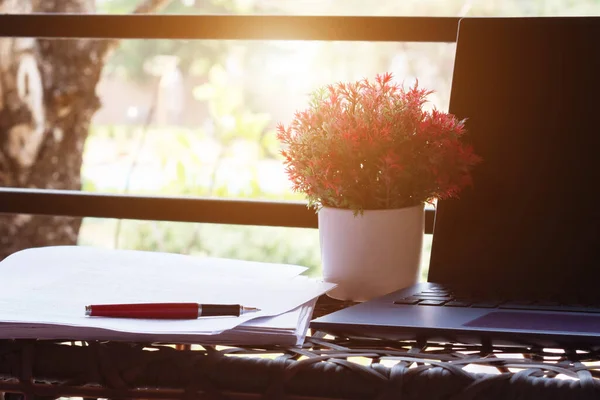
[{"x": 249, "y": 309}]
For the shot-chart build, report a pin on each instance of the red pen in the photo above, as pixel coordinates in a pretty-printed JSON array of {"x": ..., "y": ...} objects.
[{"x": 167, "y": 310}]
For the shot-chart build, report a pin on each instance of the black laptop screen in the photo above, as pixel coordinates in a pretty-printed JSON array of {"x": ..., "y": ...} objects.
[{"x": 530, "y": 89}]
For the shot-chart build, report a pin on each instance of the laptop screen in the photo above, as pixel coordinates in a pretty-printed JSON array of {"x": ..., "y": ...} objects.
[{"x": 530, "y": 89}]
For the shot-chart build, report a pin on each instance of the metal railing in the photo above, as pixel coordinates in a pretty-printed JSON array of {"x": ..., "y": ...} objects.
[{"x": 287, "y": 214}]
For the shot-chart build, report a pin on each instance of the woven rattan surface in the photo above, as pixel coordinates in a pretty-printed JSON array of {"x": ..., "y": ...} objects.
[{"x": 325, "y": 368}]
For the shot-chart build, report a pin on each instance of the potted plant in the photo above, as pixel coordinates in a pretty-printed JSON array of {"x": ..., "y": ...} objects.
[{"x": 368, "y": 156}]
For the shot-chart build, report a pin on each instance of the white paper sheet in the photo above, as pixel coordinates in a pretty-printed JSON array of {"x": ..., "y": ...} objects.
[
  {"x": 52, "y": 285},
  {"x": 33, "y": 260}
]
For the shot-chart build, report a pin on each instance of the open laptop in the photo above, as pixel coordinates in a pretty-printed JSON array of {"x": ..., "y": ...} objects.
[{"x": 517, "y": 258}]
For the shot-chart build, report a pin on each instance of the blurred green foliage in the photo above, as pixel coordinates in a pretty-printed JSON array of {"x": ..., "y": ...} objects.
[
  {"x": 190, "y": 160},
  {"x": 190, "y": 174},
  {"x": 130, "y": 60}
]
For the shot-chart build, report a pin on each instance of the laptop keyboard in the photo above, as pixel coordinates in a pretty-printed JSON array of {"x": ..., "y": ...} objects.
[{"x": 440, "y": 296}]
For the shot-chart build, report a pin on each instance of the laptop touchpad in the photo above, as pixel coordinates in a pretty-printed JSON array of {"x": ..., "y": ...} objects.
[{"x": 538, "y": 321}]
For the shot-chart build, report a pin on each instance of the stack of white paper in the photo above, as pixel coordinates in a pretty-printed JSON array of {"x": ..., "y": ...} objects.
[{"x": 45, "y": 291}]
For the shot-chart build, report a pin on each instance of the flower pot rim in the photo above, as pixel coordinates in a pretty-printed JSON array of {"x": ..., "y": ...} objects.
[{"x": 422, "y": 205}]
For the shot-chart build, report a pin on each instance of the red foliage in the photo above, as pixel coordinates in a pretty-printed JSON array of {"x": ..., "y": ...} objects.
[{"x": 371, "y": 145}]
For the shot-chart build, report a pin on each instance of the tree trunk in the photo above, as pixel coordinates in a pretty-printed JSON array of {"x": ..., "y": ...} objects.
[{"x": 47, "y": 100}]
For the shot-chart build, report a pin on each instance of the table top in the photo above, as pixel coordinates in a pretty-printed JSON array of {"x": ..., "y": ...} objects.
[{"x": 325, "y": 367}]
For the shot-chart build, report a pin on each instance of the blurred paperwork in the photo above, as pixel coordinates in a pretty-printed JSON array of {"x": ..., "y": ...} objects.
[{"x": 46, "y": 290}]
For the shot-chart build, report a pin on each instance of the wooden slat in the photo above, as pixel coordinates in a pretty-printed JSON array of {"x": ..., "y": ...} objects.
[
  {"x": 376, "y": 29},
  {"x": 180, "y": 209}
]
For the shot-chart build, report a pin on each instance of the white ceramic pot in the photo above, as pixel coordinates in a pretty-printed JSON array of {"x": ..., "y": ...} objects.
[{"x": 371, "y": 254}]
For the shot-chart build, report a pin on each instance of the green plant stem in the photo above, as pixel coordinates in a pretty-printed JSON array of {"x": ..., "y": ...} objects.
[{"x": 140, "y": 145}]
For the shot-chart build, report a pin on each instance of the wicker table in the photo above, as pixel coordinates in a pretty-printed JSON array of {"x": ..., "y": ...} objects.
[{"x": 324, "y": 368}]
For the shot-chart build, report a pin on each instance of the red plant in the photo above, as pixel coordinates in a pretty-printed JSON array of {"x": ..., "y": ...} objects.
[{"x": 370, "y": 145}]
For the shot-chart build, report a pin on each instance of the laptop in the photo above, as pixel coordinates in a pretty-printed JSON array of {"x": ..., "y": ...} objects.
[{"x": 516, "y": 259}]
